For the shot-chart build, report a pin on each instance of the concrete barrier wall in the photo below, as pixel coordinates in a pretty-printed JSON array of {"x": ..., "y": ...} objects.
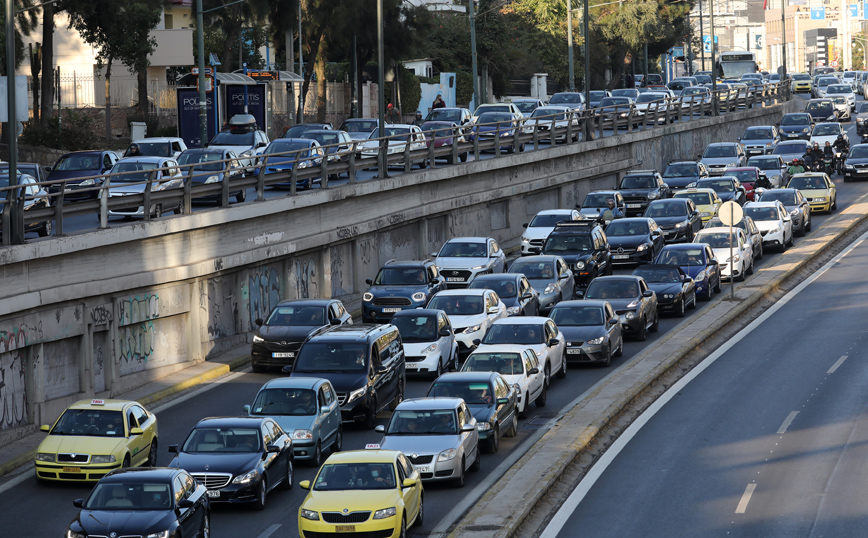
[{"x": 106, "y": 311}]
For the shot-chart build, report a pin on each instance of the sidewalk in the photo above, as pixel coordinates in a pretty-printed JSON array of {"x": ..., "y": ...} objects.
[{"x": 22, "y": 451}]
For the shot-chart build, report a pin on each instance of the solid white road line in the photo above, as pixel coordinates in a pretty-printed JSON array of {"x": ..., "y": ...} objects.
[
  {"x": 837, "y": 364},
  {"x": 745, "y": 498},
  {"x": 566, "y": 510},
  {"x": 787, "y": 422},
  {"x": 269, "y": 531}
]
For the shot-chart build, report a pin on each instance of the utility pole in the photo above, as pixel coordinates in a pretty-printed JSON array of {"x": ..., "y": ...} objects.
[
  {"x": 16, "y": 228},
  {"x": 702, "y": 35},
  {"x": 784, "y": 39},
  {"x": 587, "y": 123},
  {"x": 473, "y": 54},
  {"x": 570, "y": 44},
  {"x": 381, "y": 95},
  {"x": 203, "y": 100}
]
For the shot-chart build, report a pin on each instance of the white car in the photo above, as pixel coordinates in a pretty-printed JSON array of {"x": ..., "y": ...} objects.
[
  {"x": 519, "y": 367},
  {"x": 158, "y": 146},
  {"x": 774, "y": 223},
  {"x": 541, "y": 225},
  {"x": 129, "y": 176},
  {"x": 399, "y": 135},
  {"x": 543, "y": 117},
  {"x": 496, "y": 107},
  {"x": 244, "y": 138},
  {"x": 536, "y": 332},
  {"x": 471, "y": 312},
  {"x": 843, "y": 90},
  {"x": 696, "y": 97},
  {"x": 462, "y": 258},
  {"x": 741, "y": 263},
  {"x": 827, "y": 132},
  {"x": 429, "y": 341},
  {"x": 527, "y": 105},
  {"x": 649, "y": 102}
]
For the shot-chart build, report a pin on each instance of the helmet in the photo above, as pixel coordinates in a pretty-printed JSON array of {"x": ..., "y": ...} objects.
[
  {"x": 389, "y": 106},
  {"x": 796, "y": 160},
  {"x": 816, "y": 144},
  {"x": 418, "y": 113},
  {"x": 840, "y": 137}
]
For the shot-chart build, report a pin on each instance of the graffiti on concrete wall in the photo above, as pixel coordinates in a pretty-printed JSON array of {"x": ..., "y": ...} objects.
[
  {"x": 341, "y": 270},
  {"x": 100, "y": 315},
  {"x": 263, "y": 292},
  {"x": 13, "y": 391},
  {"x": 136, "y": 342},
  {"x": 139, "y": 309},
  {"x": 218, "y": 305},
  {"x": 305, "y": 272}
]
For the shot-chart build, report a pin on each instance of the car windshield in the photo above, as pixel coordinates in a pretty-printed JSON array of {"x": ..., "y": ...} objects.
[
  {"x": 789, "y": 149},
  {"x": 519, "y": 333},
  {"x": 286, "y": 147},
  {"x": 401, "y": 276},
  {"x": 494, "y": 117},
  {"x": 703, "y": 79},
  {"x": 694, "y": 90},
  {"x": 458, "y": 305},
  {"x": 650, "y": 98},
  {"x": 826, "y": 130},
  {"x": 681, "y": 170},
  {"x": 698, "y": 198},
  {"x": 423, "y": 422},
  {"x": 331, "y": 357},
  {"x": 688, "y": 257},
  {"x": 666, "y": 209},
  {"x": 485, "y": 109},
  {"x": 78, "y": 163},
  {"x": 396, "y": 134},
  {"x": 437, "y": 129},
  {"x": 230, "y": 138},
  {"x": 596, "y": 200},
  {"x": 548, "y": 220},
  {"x": 638, "y": 182},
  {"x": 297, "y": 315},
  {"x": 801, "y": 76},
  {"x": 784, "y": 197},
  {"x": 229, "y": 439},
  {"x": 577, "y": 316},
  {"x": 155, "y": 149},
  {"x": 548, "y": 114},
  {"x": 205, "y": 161},
  {"x": 612, "y": 101},
  {"x": 504, "y": 287},
  {"x": 717, "y": 239},
  {"x": 91, "y": 422},
  {"x": 416, "y": 328},
  {"x": 597, "y": 95},
  {"x": 839, "y": 88},
  {"x": 839, "y": 100},
  {"x": 565, "y": 244},
  {"x": 807, "y": 182},
  {"x": 461, "y": 249},
  {"x": 796, "y": 119},
  {"x": 526, "y": 106},
  {"x": 863, "y": 108},
  {"x": 859, "y": 152},
  {"x": 763, "y": 163},
  {"x": 627, "y": 228},
  {"x": 612, "y": 289},
  {"x": 566, "y": 98},
  {"x": 819, "y": 107},
  {"x": 139, "y": 171},
  {"x": 719, "y": 151},
  {"x": 534, "y": 270},
  {"x": 502, "y": 363},
  {"x": 762, "y": 213},
  {"x": 291, "y": 402},
  {"x": 132, "y": 495},
  {"x": 444, "y": 114},
  {"x": 714, "y": 223},
  {"x": 757, "y": 134},
  {"x": 719, "y": 185},
  {"x": 324, "y": 139},
  {"x": 678, "y": 86},
  {"x": 297, "y": 130},
  {"x": 355, "y": 476},
  {"x": 472, "y": 392},
  {"x": 666, "y": 275},
  {"x": 629, "y": 92},
  {"x": 359, "y": 126}
]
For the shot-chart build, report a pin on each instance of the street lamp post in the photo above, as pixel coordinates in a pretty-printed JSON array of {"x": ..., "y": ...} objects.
[
  {"x": 381, "y": 93},
  {"x": 587, "y": 122},
  {"x": 473, "y": 54},
  {"x": 203, "y": 112},
  {"x": 570, "y": 44}
]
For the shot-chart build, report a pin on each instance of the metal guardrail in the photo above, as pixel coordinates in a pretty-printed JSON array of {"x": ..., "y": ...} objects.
[{"x": 179, "y": 191}]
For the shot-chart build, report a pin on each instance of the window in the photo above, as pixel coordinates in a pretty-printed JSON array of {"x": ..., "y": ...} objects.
[
  {"x": 131, "y": 420},
  {"x": 328, "y": 394},
  {"x": 322, "y": 397},
  {"x": 441, "y": 323},
  {"x": 500, "y": 388},
  {"x": 405, "y": 466},
  {"x": 189, "y": 485},
  {"x": 276, "y": 430},
  {"x": 551, "y": 330},
  {"x": 106, "y": 161},
  {"x": 527, "y": 363},
  {"x": 176, "y": 147},
  {"x": 178, "y": 484},
  {"x": 267, "y": 437},
  {"x": 140, "y": 414},
  {"x": 461, "y": 417}
]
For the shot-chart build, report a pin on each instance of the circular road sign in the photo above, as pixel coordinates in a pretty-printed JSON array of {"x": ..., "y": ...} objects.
[{"x": 730, "y": 213}]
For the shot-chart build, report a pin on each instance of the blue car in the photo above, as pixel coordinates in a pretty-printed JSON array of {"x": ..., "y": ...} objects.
[
  {"x": 488, "y": 124},
  {"x": 307, "y": 409},
  {"x": 208, "y": 168},
  {"x": 281, "y": 155},
  {"x": 698, "y": 261},
  {"x": 680, "y": 174},
  {"x": 400, "y": 285},
  {"x": 75, "y": 166}
]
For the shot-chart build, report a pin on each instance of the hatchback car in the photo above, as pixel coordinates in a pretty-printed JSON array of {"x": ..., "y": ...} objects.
[
  {"x": 634, "y": 240},
  {"x": 444, "y": 134},
  {"x": 796, "y": 125},
  {"x": 35, "y": 199},
  {"x": 822, "y": 110},
  {"x": 792, "y": 149},
  {"x": 438, "y": 435},
  {"x": 429, "y": 341},
  {"x": 591, "y": 329},
  {"x": 634, "y": 303},
  {"x": 680, "y": 174},
  {"x": 549, "y": 275},
  {"x": 359, "y": 128},
  {"x": 243, "y": 137},
  {"x": 471, "y": 313},
  {"x": 750, "y": 230},
  {"x": 583, "y": 245},
  {"x": 213, "y": 165},
  {"x": 75, "y": 166},
  {"x": 795, "y": 203},
  {"x": 639, "y": 187},
  {"x": 727, "y": 187},
  {"x": 698, "y": 261},
  {"x": 677, "y": 218},
  {"x": 774, "y": 223},
  {"x": 462, "y": 258},
  {"x": 740, "y": 264},
  {"x": 285, "y": 154},
  {"x": 132, "y": 175},
  {"x": 706, "y": 200},
  {"x": 519, "y": 367},
  {"x": 817, "y": 189},
  {"x": 514, "y": 289},
  {"x": 675, "y": 291},
  {"x": 553, "y": 118},
  {"x": 718, "y": 156},
  {"x": 538, "y": 333},
  {"x": 772, "y": 166},
  {"x": 399, "y": 137},
  {"x": 856, "y": 163},
  {"x": 498, "y": 127},
  {"x": 828, "y": 132},
  {"x": 759, "y": 140},
  {"x": 596, "y": 202}
]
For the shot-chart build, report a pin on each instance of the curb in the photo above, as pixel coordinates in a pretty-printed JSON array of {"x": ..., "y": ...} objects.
[
  {"x": 487, "y": 518},
  {"x": 219, "y": 370}
]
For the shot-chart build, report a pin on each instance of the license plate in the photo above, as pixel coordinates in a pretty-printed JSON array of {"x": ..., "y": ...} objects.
[
  {"x": 72, "y": 469},
  {"x": 576, "y": 351},
  {"x": 454, "y": 279},
  {"x": 620, "y": 257},
  {"x": 423, "y": 468},
  {"x": 392, "y": 309},
  {"x": 412, "y": 365},
  {"x": 284, "y": 355},
  {"x": 213, "y": 493},
  {"x": 634, "y": 206},
  {"x": 345, "y": 528}
]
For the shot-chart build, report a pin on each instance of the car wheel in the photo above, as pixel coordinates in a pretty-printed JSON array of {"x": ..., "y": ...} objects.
[
  {"x": 620, "y": 351},
  {"x": 834, "y": 204},
  {"x": 420, "y": 517},
  {"x": 288, "y": 479},
  {"x": 45, "y": 231},
  {"x": 513, "y": 428},
  {"x": 750, "y": 268},
  {"x": 259, "y": 504},
  {"x": 494, "y": 442},
  {"x": 656, "y": 325},
  {"x": 562, "y": 373},
  {"x": 761, "y": 253},
  {"x": 808, "y": 226},
  {"x": 371, "y": 417},
  {"x": 403, "y": 528},
  {"x": 643, "y": 331},
  {"x": 439, "y": 371},
  {"x": 399, "y": 397},
  {"x": 523, "y": 412},
  {"x": 316, "y": 461},
  {"x": 717, "y": 287},
  {"x": 459, "y": 481},
  {"x": 542, "y": 397},
  {"x": 680, "y": 310},
  {"x": 206, "y": 526},
  {"x": 693, "y": 302},
  {"x": 126, "y": 462},
  {"x": 152, "y": 454},
  {"x": 477, "y": 463},
  {"x": 547, "y": 374},
  {"x": 464, "y": 157},
  {"x": 609, "y": 352},
  {"x": 339, "y": 440}
]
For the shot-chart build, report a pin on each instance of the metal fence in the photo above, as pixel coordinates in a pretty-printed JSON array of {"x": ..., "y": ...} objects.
[
  {"x": 174, "y": 189},
  {"x": 80, "y": 90}
]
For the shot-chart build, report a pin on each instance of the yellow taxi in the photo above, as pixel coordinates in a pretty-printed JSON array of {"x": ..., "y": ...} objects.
[
  {"x": 817, "y": 189},
  {"x": 706, "y": 200},
  {"x": 801, "y": 83},
  {"x": 372, "y": 492},
  {"x": 93, "y": 437}
]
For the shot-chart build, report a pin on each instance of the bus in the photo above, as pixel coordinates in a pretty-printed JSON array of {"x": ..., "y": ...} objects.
[{"x": 733, "y": 64}]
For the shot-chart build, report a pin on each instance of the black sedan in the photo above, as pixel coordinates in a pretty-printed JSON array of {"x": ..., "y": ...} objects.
[
  {"x": 277, "y": 339},
  {"x": 856, "y": 163},
  {"x": 634, "y": 240},
  {"x": 144, "y": 502},
  {"x": 81, "y": 169},
  {"x": 213, "y": 165},
  {"x": 591, "y": 329},
  {"x": 674, "y": 289},
  {"x": 514, "y": 290},
  {"x": 634, "y": 302},
  {"x": 727, "y": 187},
  {"x": 680, "y": 174},
  {"x": 239, "y": 460},
  {"x": 677, "y": 218}
]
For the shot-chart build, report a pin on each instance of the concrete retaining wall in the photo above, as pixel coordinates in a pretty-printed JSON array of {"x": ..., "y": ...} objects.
[{"x": 103, "y": 312}]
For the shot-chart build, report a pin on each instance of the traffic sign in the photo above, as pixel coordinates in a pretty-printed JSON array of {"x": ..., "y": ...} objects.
[
  {"x": 820, "y": 63},
  {"x": 834, "y": 63},
  {"x": 730, "y": 213}
]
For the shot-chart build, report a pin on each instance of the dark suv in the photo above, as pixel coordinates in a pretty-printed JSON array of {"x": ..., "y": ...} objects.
[
  {"x": 400, "y": 285},
  {"x": 640, "y": 187},
  {"x": 680, "y": 174},
  {"x": 585, "y": 248},
  {"x": 365, "y": 364}
]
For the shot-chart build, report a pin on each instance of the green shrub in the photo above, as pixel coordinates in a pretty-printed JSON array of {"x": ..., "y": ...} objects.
[
  {"x": 411, "y": 92},
  {"x": 77, "y": 132}
]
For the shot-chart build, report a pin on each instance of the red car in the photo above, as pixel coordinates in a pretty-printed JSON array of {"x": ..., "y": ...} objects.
[
  {"x": 747, "y": 175},
  {"x": 445, "y": 133}
]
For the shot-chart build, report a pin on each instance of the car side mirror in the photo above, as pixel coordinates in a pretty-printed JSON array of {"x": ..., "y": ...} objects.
[
  {"x": 433, "y": 254},
  {"x": 261, "y": 145},
  {"x": 304, "y": 484},
  {"x": 335, "y": 321},
  {"x": 78, "y": 503},
  {"x": 712, "y": 262},
  {"x": 578, "y": 206},
  {"x": 527, "y": 295},
  {"x": 524, "y": 225},
  {"x": 409, "y": 482},
  {"x": 258, "y": 322},
  {"x": 468, "y": 427},
  {"x": 477, "y": 342},
  {"x": 286, "y": 369},
  {"x": 553, "y": 342},
  {"x": 494, "y": 310},
  {"x": 45, "y": 428},
  {"x": 185, "y": 503},
  {"x": 533, "y": 371},
  {"x": 444, "y": 333},
  {"x": 614, "y": 321},
  {"x": 380, "y": 429},
  {"x": 647, "y": 293},
  {"x": 136, "y": 431},
  {"x": 369, "y": 282},
  {"x": 246, "y": 409},
  {"x": 502, "y": 401}
]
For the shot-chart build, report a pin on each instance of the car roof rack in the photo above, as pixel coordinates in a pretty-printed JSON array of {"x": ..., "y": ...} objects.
[
  {"x": 631, "y": 172},
  {"x": 576, "y": 224}
]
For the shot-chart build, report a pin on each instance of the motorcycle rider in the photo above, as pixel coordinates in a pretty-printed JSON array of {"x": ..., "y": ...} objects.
[
  {"x": 816, "y": 156},
  {"x": 829, "y": 155},
  {"x": 796, "y": 168},
  {"x": 840, "y": 147}
]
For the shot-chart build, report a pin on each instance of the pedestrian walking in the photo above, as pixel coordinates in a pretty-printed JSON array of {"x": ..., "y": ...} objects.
[{"x": 393, "y": 115}]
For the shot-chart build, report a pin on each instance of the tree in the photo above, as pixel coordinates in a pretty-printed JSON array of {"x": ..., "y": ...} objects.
[
  {"x": 25, "y": 22},
  {"x": 48, "y": 12},
  {"x": 35, "y": 68},
  {"x": 118, "y": 30}
]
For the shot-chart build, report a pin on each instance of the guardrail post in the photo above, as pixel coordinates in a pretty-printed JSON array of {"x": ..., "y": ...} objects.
[
  {"x": 630, "y": 119},
  {"x": 260, "y": 180},
  {"x": 569, "y": 138},
  {"x": 323, "y": 171},
  {"x": 351, "y": 166},
  {"x": 58, "y": 211},
  {"x": 293, "y": 175},
  {"x": 497, "y": 139},
  {"x": 188, "y": 192},
  {"x": 7, "y": 221},
  {"x": 680, "y": 108},
  {"x": 146, "y": 204},
  {"x": 476, "y": 145},
  {"x": 552, "y": 140},
  {"x": 224, "y": 191},
  {"x": 516, "y": 138},
  {"x": 431, "y": 152},
  {"x": 408, "y": 164},
  {"x": 455, "y": 157},
  {"x": 536, "y": 135},
  {"x": 103, "y": 202}
]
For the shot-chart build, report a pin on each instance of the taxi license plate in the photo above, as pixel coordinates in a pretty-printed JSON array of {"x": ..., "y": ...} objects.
[
  {"x": 634, "y": 206},
  {"x": 576, "y": 351},
  {"x": 345, "y": 528},
  {"x": 283, "y": 355},
  {"x": 392, "y": 309},
  {"x": 620, "y": 257},
  {"x": 454, "y": 279},
  {"x": 72, "y": 469},
  {"x": 213, "y": 493},
  {"x": 423, "y": 468}
]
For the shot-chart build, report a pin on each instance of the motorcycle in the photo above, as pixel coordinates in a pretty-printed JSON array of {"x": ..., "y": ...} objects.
[
  {"x": 864, "y": 138},
  {"x": 828, "y": 164}
]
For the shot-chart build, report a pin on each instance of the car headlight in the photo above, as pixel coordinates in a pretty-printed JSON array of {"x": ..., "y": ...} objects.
[
  {"x": 701, "y": 275},
  {"x": 478, "y": 267},
  {"x": 820, "y": 199},
  {"x": 103, "y": 459},
  {"x": 447, "y": 455},
  {"x": 161, "y": 534},
  {"x": 513, "y": 310},
  {"x": 385, "y": 513},
  {"x": 212, "y": 179},
  {"x": 652, "y": 196},
  {"x": 419, "y": 296},
  {"x": 302, "y": 434},
  {"x": 430, "y": 349},
  {"x": 483, "y": 426},
  {"x": 246, "y": 153},
  {"x": 734, "y": 259},
  {"x": 642, "y": 247},
  {"x": 305, "y": 164},
  {"x": 473, "y": 328},
  {"x": 691, "y": 185},
  {"x": 395, "y": 149},
  {"x": 45, "y": 456},
  {"x": 706, "y": 214},
  {"x": 550, "y": 288},
  {"x": 72, "y": 534},
  {"x": 806, "y": 129},
  {"x": 630, "y": 315},
  {"x": 309, "y": 514},
  {"x": 258, "y": 339},
  {"x": 580, "y": 264},
  {"x": 356, "y": 394},
  {"x": 681, "y": 225},
  {"x": 87, "y": 183},
  {"x": 794, "y": 212},
  {"x": 247, "y": 477},
  {"x": 668, "y": 296},
  {"x": 831, "y": 118},
  {"x": 525, "y": 239},
  {"x": 597, "y": 341},
  {"x": 769, "y": 144},
  {"x": 368, "y": 297},
  {"x": 849, "y": 167}
]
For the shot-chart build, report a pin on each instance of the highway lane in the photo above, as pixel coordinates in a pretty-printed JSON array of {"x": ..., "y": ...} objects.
[{"x": 770, "y": 440}]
